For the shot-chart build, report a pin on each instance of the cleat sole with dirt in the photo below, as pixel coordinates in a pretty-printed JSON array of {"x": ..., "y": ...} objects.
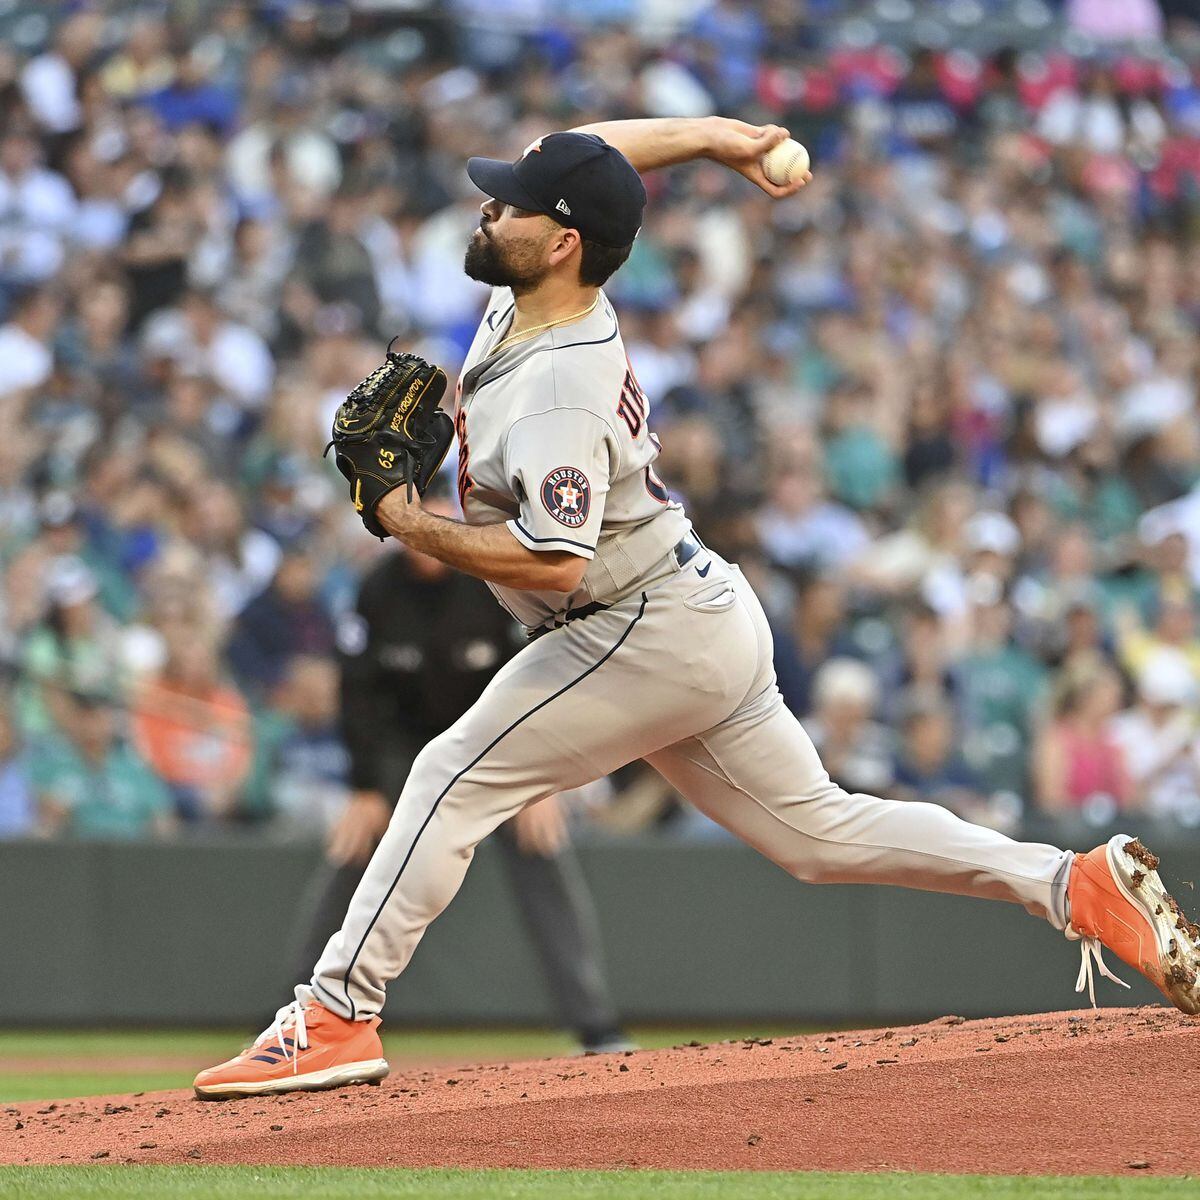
[{"x": 1177, "y": 972}]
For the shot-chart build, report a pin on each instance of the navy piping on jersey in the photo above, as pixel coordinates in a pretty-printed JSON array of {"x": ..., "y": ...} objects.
[
  {"x": 565, "y": 541},
  {"x": 497, "y": 313},
  {"x": 542, "y": 350},
  {"x": 473, "y": 763}
]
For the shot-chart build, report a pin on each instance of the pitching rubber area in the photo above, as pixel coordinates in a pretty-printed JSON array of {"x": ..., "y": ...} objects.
[{"x": 1113, "y": 1092}]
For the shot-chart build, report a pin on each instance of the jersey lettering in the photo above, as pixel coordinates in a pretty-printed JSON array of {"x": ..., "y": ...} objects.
[
  {"x": 656, "y": 487},
  {"x": 634, "y": 410},
  {"x": 465, "y": 482},
  {"x": 633, "y": 407}
]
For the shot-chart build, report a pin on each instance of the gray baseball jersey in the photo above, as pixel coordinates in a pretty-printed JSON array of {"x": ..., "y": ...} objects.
[
  {"x": 675, "y": 669},
  {"x": 554, "y": 439}
]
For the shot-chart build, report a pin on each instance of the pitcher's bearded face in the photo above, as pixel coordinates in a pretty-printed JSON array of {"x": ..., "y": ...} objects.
[{"x": 508, "y": 248}]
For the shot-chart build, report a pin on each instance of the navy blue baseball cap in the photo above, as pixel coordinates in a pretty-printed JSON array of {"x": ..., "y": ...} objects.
[{"x": 576, "y": 178}]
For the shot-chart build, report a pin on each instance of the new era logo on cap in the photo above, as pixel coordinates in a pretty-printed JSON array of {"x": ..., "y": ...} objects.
[{"x": 563, "y": 207}]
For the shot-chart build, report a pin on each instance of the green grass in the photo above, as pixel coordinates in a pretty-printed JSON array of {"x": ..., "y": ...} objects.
[
  {"x": 72, "y": 1075},
  {"x": 45, "y": 1085},
  {"x": 269, "y": 1183},
  {"x": 67, "y": 1042}
]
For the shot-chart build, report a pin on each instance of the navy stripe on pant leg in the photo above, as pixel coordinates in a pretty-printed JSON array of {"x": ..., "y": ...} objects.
[{"x": 474, "y": 762}]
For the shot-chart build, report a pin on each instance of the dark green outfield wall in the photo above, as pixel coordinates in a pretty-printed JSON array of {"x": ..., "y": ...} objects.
[{"x": 205, "y": 933}]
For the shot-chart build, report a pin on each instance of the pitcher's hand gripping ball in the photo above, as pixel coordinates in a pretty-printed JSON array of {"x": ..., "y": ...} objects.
[
  {"x": 785, "y": 163},
  {"x": 391, "y": 431}
]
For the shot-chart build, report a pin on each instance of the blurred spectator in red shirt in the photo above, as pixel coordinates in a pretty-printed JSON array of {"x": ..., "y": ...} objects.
[
  {"x": 1078, "y": 762},
  {"x": 194, "y": 728}
]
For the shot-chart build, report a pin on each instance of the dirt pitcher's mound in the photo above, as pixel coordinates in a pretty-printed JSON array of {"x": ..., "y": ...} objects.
[{"x": 1089, "y": 1093}]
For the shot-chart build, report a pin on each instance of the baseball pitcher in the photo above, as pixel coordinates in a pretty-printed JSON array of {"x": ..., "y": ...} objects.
[{"x": 644, "y": 644}]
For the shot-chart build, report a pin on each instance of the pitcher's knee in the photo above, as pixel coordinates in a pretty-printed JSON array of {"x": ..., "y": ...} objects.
[
  {"x": 445, "y": 787},
  {"x": 446, "y": 765},
  {"x": 818, "y": 851},
  {"x": 814, "y": 868},
  {"x": 428, "y": 771}
]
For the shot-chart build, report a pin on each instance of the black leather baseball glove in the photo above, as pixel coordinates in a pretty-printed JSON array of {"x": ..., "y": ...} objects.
[{"x": 391, "y": 431}]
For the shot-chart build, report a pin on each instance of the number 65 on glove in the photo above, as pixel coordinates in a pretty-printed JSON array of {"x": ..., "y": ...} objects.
[{"x": 391, "y": 431}]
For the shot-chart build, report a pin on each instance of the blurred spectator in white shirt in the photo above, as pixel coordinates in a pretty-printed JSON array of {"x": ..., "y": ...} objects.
[
  {"x": 802, "y": 527},
  {"x": 239, "y": 560},
  {"x": 286, "y": 142},
  {"x": 25, "y": 341},
  {"x": 198, "y": 337},
  {"x": 1160, "y": 738},
  {"x": 50, "y": 81},
  {"x": 856, "y": 751},
  {"x": 37, "y": 208},
  {"x": 1116, "y": 20}
]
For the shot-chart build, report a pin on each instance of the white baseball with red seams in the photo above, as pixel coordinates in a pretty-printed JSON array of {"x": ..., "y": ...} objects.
[{"x": 785, "y": 163}]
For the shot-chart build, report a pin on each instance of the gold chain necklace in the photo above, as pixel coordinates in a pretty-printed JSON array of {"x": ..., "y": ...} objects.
[{"x": 525, "y": 334}]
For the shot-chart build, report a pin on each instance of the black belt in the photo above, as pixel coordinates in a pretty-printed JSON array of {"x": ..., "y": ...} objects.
[{"x": 682, "y": 553}]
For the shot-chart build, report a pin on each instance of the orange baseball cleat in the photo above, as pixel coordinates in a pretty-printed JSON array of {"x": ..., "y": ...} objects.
[
  {"x": 306, "y": 1048},
  {"x": 1118, "y": 900}
]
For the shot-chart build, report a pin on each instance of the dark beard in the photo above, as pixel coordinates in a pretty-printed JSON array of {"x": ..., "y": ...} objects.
[{"x": 484, "y": 263}]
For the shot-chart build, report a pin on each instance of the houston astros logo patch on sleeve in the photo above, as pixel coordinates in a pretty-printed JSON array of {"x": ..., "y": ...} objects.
[{"x": 567, "y": 496}]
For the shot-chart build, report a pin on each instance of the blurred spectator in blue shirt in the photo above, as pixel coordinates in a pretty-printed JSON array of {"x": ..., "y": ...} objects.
[
  {"x": 286, "y": 620},
  {"x": 919, "y": 666},
  {"x": 302, "y": 770},
  {"x": 18, "y": 816},
  {"x": 817, "y": 633},
  {"x": 191, "y": 97},
  {"x": 929, "y": 766}
]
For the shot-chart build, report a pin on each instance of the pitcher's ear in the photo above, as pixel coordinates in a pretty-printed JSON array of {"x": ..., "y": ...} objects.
[{"x": 564, "y": 243}]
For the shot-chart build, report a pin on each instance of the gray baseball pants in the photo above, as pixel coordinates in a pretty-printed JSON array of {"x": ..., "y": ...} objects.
[
  {"x": 556, "y": 909},
  {"x": 679, "y": 673}
]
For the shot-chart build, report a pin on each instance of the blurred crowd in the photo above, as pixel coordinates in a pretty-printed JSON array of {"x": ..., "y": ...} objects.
[{"x": 941, "y": 405}]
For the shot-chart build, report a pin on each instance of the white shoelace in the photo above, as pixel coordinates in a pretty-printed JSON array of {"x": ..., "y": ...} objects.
[
  {"x": 1090, "y": 951},
  {"x": 289, "y": 1016}
]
